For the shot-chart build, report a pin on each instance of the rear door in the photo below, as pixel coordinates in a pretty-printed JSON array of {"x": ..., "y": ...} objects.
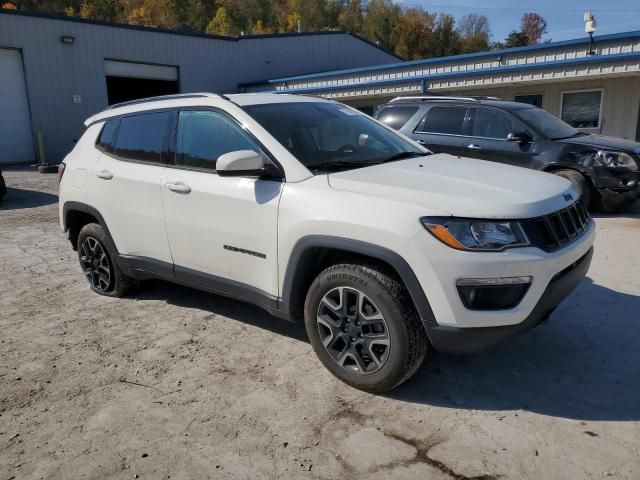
[
  {"x": 441, "y": 129},
  {"x": 486, "y": 138},
  {"x": 125, "y": 186}
]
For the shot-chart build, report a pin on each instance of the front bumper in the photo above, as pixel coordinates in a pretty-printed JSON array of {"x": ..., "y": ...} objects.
[
  {"x": 617, "y": 188},
  {"x": 469, "y": 340},
  {"x": 454, "y": 328}
]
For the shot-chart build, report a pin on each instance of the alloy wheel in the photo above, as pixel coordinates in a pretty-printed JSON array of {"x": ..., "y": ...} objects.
[
  {"x": 353, "y": 330},
  {"x": 95, "y": 264}
]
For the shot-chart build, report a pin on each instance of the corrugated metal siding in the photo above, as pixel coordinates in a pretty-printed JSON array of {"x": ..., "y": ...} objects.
[{"x": 55, "y": 71}]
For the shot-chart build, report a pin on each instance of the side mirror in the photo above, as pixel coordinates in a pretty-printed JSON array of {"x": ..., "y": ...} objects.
[
  {"x": 240, "y": 163},
  {"x": 519, "y": 137}
]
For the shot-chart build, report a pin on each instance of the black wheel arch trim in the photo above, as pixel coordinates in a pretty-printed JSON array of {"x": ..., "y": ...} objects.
[
  {"x": 296, "y": 267},
  {"x": 73, "y": 206}
]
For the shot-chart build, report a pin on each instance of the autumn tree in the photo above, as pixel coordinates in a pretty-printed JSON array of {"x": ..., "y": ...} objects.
[
  {"x": 533, "y": 26},
  {"x": 351, "y": 16},
  {"x": 474, "y": 33},
  {"x": 221, "y": 24},
  {"x": 414, "y": 34},
  {"x": 380, "y": 22}
]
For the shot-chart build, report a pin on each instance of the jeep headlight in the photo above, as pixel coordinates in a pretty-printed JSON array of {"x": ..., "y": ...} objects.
[
  {"x": 608, "y": 158},
  {"x": 477, "y": 235}
]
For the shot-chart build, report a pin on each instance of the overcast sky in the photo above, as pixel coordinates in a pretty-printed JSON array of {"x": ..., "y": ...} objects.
[{"x": 564, "y": 17}]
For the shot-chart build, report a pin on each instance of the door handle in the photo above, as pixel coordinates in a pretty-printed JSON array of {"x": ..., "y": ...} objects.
[
  {"x": 474, "y": 147},
  {"x": 104, "y": 174},
  {"x": 179, "y": 187},
  {"x": 421, "y": 142}
]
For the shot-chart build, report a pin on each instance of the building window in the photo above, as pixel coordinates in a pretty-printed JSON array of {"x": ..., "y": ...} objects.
[
  {"x": 582, "y": 109},
  {"x": 535, "y": 100}
]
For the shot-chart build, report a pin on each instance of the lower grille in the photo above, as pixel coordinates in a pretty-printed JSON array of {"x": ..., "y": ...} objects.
[{"x": 554, "y": 231}]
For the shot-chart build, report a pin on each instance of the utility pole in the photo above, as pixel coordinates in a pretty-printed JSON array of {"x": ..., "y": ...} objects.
[{"x": 590, "y": 28}]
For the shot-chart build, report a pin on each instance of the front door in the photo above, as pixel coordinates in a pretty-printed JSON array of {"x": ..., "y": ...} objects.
[
  {"x": 486, "y": 138},
  {"x": 222, "y": 230}
]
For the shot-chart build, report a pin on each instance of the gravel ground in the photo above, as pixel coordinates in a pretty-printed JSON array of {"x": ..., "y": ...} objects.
[{"x": 175, "y": 383}]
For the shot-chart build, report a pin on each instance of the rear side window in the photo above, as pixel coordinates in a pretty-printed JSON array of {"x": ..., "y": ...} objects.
[
  {"x": 445, "y": 120},
  {"x": 396, "y": 117},
  {"x": 205, "y": 135},
  {"x": 107, "y": 136},
  {"x": 142, "y": 137}
]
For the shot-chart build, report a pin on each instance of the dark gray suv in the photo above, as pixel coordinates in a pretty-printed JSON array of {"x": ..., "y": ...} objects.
[{"x": 605, "y": 170}]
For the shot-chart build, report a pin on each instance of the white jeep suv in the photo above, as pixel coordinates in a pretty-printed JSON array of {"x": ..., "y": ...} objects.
[{"x": 312, "y": 210}]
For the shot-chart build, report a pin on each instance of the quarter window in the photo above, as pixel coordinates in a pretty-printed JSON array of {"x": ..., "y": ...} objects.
[
  {"x": 582, "y": 109},
  {"x": 396, "y": 117},
  {"x": 492, "y": 124},
  {"x": 203, "y": 136},
  {"x": 141, "y": 137},
  {"x": 105, "y": 142},
  {"x": 444, "y": 120}
]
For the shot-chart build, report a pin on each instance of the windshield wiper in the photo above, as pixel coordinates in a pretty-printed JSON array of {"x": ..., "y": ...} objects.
[
  {"x": 401, "y": 155},
  {"x": 337, "y": 164}
]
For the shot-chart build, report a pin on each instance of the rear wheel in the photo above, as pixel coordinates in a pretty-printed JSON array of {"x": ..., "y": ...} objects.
[
  {"x": 97, "y": 260},
  {"x": 588, "y": 197},
  {"x": 362, "y": 325}
]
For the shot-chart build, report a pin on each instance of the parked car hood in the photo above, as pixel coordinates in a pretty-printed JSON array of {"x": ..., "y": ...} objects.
[
  {"x": 463, "y": 187},
  {"x": 604, "y": 142}
]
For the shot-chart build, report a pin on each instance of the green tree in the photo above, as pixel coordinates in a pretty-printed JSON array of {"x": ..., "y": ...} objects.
[
  {"x": 515, "y": 39},
  {"x": 446, "y": 40},
  {"x": 221, "y": 24}
]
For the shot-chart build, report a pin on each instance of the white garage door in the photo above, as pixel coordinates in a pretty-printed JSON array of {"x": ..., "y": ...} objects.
[{"x": 16, "y": 141}]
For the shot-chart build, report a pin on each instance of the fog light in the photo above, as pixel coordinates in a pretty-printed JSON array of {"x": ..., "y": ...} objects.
[{"x": 499, "y": 293}]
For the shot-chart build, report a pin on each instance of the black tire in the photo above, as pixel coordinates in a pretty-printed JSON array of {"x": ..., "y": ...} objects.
[
  {"x": 407, "y": 341},
  {"x": 588, "y": 197},
  {"x": 97, "y": 255}
]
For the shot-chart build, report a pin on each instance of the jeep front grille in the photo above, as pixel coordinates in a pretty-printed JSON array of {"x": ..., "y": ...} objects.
[{"x": 554, "y": 231}]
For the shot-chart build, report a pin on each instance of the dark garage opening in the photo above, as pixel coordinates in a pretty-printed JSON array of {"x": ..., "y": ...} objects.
[{"x": 123, "y": 89}]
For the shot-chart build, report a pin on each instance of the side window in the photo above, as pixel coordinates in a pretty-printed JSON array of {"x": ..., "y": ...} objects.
[
  {"x": 396, "y": 117},
  {"x": 141, "y": 137},
  {"x": 492, "y": 124},
  {"x": 444, "y": 120},
  {"x": 205, "y": 135},
  {"x": 107, "y": 135}
]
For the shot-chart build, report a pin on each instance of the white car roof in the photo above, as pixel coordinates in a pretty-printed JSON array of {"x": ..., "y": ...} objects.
[
  {"x": 195, "y": 99},
  {"x": 243, "y": 99}
]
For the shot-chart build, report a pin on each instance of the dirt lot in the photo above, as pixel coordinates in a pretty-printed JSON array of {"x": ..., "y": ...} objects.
[{"x": 174, "y": 383}]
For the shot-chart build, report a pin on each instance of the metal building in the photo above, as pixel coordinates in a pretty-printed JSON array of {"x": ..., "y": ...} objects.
[
  {"x": 597, "y": 91},
  {"x": 57, "y": 71}
]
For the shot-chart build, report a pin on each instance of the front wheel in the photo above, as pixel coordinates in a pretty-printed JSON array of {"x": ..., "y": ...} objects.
[{"x": 363, "y": 326}]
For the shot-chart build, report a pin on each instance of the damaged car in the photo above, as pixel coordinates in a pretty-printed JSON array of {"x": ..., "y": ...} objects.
[{"x": 604, "y": 170}]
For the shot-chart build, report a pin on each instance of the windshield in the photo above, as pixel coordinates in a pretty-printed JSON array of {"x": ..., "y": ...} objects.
[
  {"x": 330, "y": 136},
  {"x": 548, "y": 125}
]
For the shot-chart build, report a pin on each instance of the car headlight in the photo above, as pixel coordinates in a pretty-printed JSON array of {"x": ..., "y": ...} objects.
[
  {"x": 477, "y": 235},
  {"x": 608, "y": 158}
]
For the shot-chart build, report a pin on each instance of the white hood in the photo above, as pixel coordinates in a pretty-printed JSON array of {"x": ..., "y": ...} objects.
[{"x": 463, "y": 187}]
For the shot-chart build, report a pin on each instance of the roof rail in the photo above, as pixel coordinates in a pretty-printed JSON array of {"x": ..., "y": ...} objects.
[
  {"x": 164, "y": 97},
  {"x": 422, "y": 98}
]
